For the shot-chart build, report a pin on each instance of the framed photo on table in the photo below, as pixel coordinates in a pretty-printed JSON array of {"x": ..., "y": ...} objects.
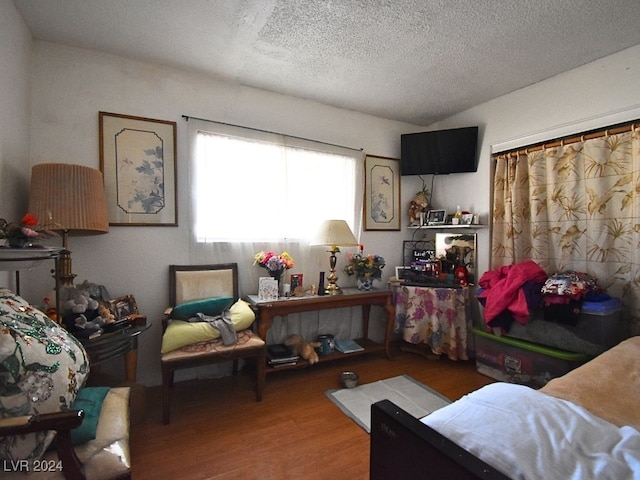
[
  {"x": 138, "y": 161},
  {"x": 296, "y": 282},
  {"x": 381, "y": 193},
  {"x": 124, "y": 307}
]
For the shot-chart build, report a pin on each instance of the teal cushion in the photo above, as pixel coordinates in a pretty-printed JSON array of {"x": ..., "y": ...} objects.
[
  {"x": 90, "y": 400},
  {"x": 208, "y": 306}
]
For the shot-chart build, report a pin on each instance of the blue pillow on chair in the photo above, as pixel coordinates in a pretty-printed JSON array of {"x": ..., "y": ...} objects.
[
  {"x": 208, "y": 306},
  {"x": 90, "y": 400}
]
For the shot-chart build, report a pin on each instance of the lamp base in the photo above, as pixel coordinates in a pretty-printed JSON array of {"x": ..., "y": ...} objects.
[
  {"x": 332, "y": 278},
  {"x": 65, "y": 276}
]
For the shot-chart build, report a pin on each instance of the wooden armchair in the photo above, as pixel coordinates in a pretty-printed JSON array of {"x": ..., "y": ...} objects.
[
  {"x": 189, "y": 283},
  {"x": 104, "y": 458}
]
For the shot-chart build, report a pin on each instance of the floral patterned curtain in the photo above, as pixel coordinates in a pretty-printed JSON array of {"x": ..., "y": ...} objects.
[{"x": 574, "y": 205}]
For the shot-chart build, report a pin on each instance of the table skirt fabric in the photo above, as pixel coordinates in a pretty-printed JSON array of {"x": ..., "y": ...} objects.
[{"x": 437, "y": 317}]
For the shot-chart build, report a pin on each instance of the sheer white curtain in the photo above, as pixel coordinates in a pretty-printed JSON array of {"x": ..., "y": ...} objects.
[{"x": 253, "y": 190}]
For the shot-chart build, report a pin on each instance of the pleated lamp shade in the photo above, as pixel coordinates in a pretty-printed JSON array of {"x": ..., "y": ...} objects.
[{"x": 69, "y": 198}]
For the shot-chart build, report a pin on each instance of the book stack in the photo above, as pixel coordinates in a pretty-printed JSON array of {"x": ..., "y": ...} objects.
[
  {"x": 348, "y": 346},
  {"x": 279, "y": 355}
]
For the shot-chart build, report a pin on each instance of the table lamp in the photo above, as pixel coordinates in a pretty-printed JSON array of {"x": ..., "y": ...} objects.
[
  {"x": 334, "y": 234},
  {"x": 69, "y": 199}
]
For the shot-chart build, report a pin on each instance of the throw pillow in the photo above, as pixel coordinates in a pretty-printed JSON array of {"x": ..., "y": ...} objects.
[
  {"x": 42, "y": 368},
  {"x": 90, "y": 400},
  {"x": 180, "y": 333},
  {"x": 208, "y": 306}
]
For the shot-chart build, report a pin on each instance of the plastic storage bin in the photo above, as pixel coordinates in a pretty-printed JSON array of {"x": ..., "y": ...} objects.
[
  {"x": 517, "y": 361},
  {"x": 601, "y": 323},
  {"x": 600, "y": 326}
]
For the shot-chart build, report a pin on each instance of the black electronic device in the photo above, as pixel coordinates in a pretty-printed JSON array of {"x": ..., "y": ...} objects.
[{"x": 439, "y": 152}]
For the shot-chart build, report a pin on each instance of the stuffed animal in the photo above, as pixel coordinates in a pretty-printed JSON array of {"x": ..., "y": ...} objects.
[
  {"x": 74, "y": 300},
  {"x": 306, "y": 350},
  {"x": 105, "y": 314},
  {"x": 414, "y": 213},
  {"x": 83, "y": 323},
  {"x": 460, "y": 274},
  {"x": 95, "y": 291}
]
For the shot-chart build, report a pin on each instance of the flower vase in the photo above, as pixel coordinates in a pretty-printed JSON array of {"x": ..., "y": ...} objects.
[
  {"x": 364, "y": 283},
  {"x": 278, "y": 275}
]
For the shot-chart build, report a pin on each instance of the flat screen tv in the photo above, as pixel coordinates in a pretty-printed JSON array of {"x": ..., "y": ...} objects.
[{"x": 439, "y": 152}]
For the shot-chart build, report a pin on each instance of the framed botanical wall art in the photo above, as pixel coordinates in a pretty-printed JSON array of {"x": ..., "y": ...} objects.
[
  {"x": 138, "y": 161},
  {"x": 382, "y": 193}
]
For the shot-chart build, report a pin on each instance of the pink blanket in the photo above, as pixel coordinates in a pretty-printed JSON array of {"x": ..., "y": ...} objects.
[{"x": 502, "y": 290}]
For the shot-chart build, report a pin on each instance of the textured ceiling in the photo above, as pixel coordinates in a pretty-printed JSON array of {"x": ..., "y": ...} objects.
[{"x": 408, "y": 60}]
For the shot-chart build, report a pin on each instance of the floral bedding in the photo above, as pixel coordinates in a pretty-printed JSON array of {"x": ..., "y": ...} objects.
[{"x": 42, "y": 367}]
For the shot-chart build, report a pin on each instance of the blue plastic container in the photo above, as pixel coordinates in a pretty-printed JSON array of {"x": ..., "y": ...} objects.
[{"x": 606, "y": 307}]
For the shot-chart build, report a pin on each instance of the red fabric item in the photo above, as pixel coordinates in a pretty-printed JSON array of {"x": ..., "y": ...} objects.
[{"x": 502, "y": 290}]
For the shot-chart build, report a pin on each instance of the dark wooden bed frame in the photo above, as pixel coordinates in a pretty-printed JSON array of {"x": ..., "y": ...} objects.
[{"x": 404, "y": 447}]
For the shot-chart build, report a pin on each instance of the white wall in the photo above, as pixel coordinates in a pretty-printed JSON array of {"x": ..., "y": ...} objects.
[
  {"x": 70, "y": 87},
  {"x": 15, "y": 61}
]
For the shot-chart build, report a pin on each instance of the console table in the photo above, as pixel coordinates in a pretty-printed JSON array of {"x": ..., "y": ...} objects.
[{"x": 268, "y": 310}]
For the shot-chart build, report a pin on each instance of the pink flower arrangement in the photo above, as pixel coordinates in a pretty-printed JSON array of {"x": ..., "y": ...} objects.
[{"x": 273, "y": 262}]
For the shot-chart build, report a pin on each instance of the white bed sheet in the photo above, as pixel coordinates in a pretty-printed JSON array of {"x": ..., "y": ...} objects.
[{"x": 529, "y": 435}]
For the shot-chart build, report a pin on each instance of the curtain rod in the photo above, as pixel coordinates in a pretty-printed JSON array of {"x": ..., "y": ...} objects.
[
  {"x": 569, "y": 139},
  {"x": 187, "y": 117}
]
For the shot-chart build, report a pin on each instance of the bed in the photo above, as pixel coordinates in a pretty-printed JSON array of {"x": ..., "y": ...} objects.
[{"x": 585, "y": 424}]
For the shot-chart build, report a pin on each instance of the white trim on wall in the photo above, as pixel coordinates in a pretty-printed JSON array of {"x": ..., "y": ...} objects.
[{"x": 586, "y": 124}]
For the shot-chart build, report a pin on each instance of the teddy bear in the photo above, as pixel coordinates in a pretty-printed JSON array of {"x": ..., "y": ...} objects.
[
  {"x": 105, "y": 314},
  {"x": 305, "y": 349}
]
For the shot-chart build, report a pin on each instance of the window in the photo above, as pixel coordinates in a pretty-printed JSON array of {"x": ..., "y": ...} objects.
[{"x": 266, "y": 187}]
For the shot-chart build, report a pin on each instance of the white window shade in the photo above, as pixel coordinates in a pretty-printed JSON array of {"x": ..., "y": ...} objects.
[{"x": 254, "y": 186}]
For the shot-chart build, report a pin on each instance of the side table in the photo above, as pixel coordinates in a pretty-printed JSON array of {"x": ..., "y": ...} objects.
[
  {"x": 115, "y": 344},
  {"x": 27, "y": 258}
]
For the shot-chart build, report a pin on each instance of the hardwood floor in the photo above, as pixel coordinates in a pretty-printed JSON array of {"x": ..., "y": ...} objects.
[{"x": 218, "y": 431}]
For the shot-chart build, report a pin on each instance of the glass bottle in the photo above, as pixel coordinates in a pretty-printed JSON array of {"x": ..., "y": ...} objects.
[{"x": 457, "y": 216}]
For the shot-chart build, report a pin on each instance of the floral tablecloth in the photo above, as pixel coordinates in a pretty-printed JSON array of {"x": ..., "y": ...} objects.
[{"x": 437, "y": 317}]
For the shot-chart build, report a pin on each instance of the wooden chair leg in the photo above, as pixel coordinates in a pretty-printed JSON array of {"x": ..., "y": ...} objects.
[
  {"x": 261, "y": 372},
  {"x": 73, "y": 469},
  {"x": 167, "y": 384}
]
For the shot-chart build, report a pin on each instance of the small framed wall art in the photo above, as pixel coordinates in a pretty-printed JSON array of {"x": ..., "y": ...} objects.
[
  {"x": 381, "y": 193},
  {"x": 138, "y": 161}
]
